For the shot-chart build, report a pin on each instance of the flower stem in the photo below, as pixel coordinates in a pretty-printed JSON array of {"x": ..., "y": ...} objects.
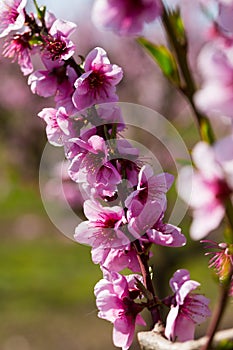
[
  {"x": 36, "y": 5},
  {"x": 143, "y": 262},
  {"x": 188, "y": 88},
  {"x": 229, "y": 215},
  {"x": 218, "y": 312}
]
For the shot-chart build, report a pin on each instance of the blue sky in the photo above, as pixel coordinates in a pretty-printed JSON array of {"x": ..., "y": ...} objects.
[{"x": 66, "y": 9}]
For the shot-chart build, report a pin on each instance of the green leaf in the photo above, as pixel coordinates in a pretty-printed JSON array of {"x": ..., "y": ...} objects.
[
  {"x": 225, "y": 344},
  {"x": 178, "y": 26},
  {"x": 164, "y": 59}
]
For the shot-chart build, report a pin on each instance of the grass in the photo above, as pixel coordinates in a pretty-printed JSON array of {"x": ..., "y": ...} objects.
[
  {"x": 45, "y": 273},
  {"x": 46, "y": 282}
]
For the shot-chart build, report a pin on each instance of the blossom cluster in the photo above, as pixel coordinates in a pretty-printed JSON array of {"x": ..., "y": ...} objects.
[{"x": 126, "y": 201}]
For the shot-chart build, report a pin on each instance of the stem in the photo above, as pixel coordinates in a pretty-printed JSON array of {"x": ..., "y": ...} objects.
[
  {"x": 218, "y": 313},
  {"x": 229, "y": 215},
  {"x": 36, "y": 6},
  {"x": 189, "y": 87},
  {"x": 143, "y": 262}
]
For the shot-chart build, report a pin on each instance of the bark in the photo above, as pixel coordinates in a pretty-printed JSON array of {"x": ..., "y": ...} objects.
[{"x": 153, "y": 340}]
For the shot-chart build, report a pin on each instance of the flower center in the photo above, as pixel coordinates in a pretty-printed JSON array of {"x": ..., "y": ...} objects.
[
  {"x": 222, "y": 190},
  {"x": 133, "y": 7},
  {"x": 94, "y": 161},
  {"x": 96, "y": 80},
  {"x": 55, "y": 47}
]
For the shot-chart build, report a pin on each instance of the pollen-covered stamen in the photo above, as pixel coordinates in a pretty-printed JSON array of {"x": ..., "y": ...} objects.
[
  {"x": 93, "y": 161},
  {"x": 55, "y": 47}
]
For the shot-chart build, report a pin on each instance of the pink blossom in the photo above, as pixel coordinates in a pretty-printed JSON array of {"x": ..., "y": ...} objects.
[
  {"x": 129, "y": 170},
  {"x": 60, "y": 126},
  {"x": 57, "y": 44},
  {"x": 54, "y": 132},
  {"x": 216, "y": 94},
  {"x": 225, "y": 2},
  {"x": 92, "y": 155},
  {"x": 73, "y": 148},
  {"x": 211, "y": 185},
  {"x": 50, "y": 18},
  {"x": 57, "y": 80},
  {"x": 146, "y": 205},
  {"x": 19, "y": 49},
  {"x": 166, "y": 235},
  {"x": 224, "y": 19},
  {"x": 188, "y": 309},
  {"x": 100, "y": 169},
  {"x": 108, "y": 114},
  {"x": 125, "y": 148},
  {"x": 115, "y": 301},
  {"x": 43, "y": 83},
  {"x": 116, "y": 259},
  {"x": 143, "y": 217},
  {"x": 97, "y": 84},
  {"x": 104, "y": 228},
  {"x": 125, "y": 17},
  {"x": 106, "y": 181},
  {"x": 11, "y": 15}
]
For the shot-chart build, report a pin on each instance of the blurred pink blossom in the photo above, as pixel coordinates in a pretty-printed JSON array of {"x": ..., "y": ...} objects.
[
  {"x": 224, "y": 19},
  {"x": 11, "y": 15},
  {"x": 212, "y": 184},
  {"x": 125, "y": 17},
  {"x": 215, "y": 97},
  {"x": 19, "y": 49},
  {"x": 187, "y": 310}
]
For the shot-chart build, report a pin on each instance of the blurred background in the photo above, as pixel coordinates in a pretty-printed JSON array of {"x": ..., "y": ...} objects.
[{"x": 46, "y": 279}]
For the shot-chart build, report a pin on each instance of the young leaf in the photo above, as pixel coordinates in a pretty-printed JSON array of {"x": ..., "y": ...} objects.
[
  {"x": 178, "y": 26},
  {"x": 164, "y": 59}
]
